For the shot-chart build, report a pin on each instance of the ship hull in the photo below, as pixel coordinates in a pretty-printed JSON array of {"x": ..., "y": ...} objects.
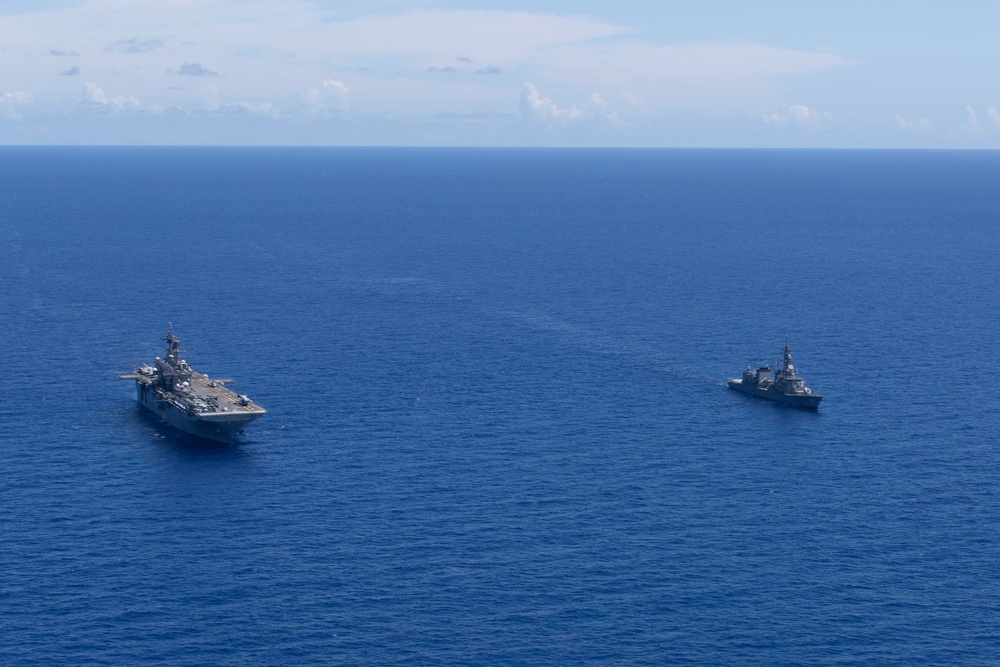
[
  {"x": 216, "y": 427},
  {"x": 805, "y": 401}
]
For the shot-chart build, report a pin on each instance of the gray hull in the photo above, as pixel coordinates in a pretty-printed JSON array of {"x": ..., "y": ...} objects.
[
  {"x": 807, "y": 401},
  {"x": 217, "y": 427}
]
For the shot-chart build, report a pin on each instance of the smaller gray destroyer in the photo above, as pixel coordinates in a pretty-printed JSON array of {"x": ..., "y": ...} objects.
[
  {"x": 191, "y": 401},
  {"x": 784, "y": 387}
]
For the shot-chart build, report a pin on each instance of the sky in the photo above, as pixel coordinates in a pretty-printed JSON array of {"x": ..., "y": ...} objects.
[{"x": 713, "y": 73}]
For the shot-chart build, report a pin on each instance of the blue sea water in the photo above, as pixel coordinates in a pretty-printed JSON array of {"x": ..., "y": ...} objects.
[{"x": 498, "y": 428}]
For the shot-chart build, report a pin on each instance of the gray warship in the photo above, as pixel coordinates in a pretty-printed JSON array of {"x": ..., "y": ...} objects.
[
  {"x": 191, "y": 401},
  {"x": 784, "y": 387}
]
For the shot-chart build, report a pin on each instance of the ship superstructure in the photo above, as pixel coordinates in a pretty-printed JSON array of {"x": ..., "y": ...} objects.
[
  {"x": 189, "y": 400},
  {"x": 784, "y": 386}
]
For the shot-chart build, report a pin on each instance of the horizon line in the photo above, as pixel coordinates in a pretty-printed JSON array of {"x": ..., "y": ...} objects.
[{"x": 525, "y": 147}]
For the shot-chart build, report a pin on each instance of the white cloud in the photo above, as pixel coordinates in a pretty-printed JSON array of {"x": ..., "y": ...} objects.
[
  {"x": 486, "y": 36},
  {"x": 981, "y": 128},
  {"x": 283, "y": 44},
  {"x": 798, "y": 115},
  {"x": 336, "y": 87},
  {"x": 265, "y": 109},
  {"x": 922, "y": 126},
  {"x": 378, "y": 59},
  {"x": 13, "y": 103},
  {"x": 601, "y": 108},
  {"x": 698, "y": 70},
  {"x": 536, "y": 107},
  {"x": 95, "y": 97},
  {"x": 972, "y": 124},
  {"x": 331, "y": 97},
  {"x": 94, "y": 94},
  {"x": 635, "y": 101},
  {"x": 533, "y": 105}
]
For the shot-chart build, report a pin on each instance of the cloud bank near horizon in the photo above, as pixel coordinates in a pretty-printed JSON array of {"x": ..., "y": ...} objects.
[{"x": 402, "y": 73}]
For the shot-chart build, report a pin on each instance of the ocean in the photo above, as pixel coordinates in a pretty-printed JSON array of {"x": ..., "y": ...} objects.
[{"x": 498, "y": 430}]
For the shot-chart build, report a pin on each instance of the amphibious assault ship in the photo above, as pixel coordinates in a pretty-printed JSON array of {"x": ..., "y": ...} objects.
[
  {"x": 784, "y": 387},
  {"x": 189, "y": 400}
]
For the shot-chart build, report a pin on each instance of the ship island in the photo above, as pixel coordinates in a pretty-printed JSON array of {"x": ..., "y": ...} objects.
[
  {"x": 785, "y": 386},
  {"x": 191, "y": 401}
]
